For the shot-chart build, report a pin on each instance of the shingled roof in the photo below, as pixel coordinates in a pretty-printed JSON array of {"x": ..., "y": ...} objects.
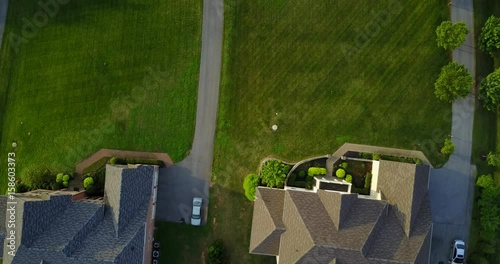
[
  {"x": 404, "y": 185},
  {"x": 55, "y": 229},
  {"x": 335, "y": 227}
]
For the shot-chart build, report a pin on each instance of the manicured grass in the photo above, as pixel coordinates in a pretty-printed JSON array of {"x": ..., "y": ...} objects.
[
  {"x": 78, "y": 85},
  {"x": 486, "y": 131},
  {"x": 287, "y": 58}
]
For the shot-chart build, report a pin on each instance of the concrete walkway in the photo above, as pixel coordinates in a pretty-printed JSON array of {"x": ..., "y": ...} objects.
[
  {"x": 178, "y": 184},
  {"x": 3, "y": 16},
  {"x": 452, "y": 187}
]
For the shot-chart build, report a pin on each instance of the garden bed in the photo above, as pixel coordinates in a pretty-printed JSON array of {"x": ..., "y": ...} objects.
[
  {"x": 299, "y": 176},
  {"x": 360, "y": 174}
]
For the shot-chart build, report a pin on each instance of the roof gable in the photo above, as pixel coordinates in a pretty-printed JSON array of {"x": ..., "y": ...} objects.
[
  {"x": 267, "y": 224},
  {"x": 403, "y": 185}
]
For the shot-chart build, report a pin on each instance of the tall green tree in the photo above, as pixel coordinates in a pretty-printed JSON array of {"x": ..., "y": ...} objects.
[
  {"x": 453, "y": 82},
  {"x": 451, "y": 35},
  {"x": 493, "y": 159},
  {"x": 489, "y": 40},
  {"x": 489, "y": 92}
]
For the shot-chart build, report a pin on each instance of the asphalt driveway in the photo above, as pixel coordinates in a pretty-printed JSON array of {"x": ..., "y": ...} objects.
[{"x": 191, "y": 177}]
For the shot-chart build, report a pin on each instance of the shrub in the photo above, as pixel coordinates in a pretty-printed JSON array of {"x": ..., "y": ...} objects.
[
  {"x": 302, "y": 174},
  {"x": 451, "y": 35},
  {"x": 448, "y": 147},
  {"x": 273, "y": 173},
  {"x": 65, "y": 178},
  {"x": 344, "y": 165},
  {"x": 38, "y": 178},
  {"x": 365, "y": 155},
  {"x": 59, "y": 177},
  {"x": 340, "y": 173},
  {"x": 313, "y": 171},
  {"x": 88, "y": 182},
  {"x": 112, "y": 161},
  {"x": 56, "y": 185},
  {"x": 216, "y": 252},
  {"x": 348, "y": 178},
  {"x": 21, "y": 187},
  {"x": 249, "y": 185},
  {"x": 454, "y": 82},
  {"x": 368, "y": 179},
  {"x": 417, "y": 161},
  {"x": 376, "y": 156},
  {"x": 65, "y": 184}
]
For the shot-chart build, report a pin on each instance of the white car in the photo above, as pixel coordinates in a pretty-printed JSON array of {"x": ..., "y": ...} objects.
[
  {"x": 196, "y": 215},
  {"x": 457, "y": 254}
]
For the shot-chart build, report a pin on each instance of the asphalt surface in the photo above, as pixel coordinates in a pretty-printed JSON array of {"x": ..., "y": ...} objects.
[
  {"x": 451, "y": 188},
  {"x": 191, "y": 177},
  {"x": 3, "y": 16}
]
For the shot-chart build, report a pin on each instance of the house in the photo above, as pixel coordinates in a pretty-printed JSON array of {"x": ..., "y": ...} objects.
[
  {"x": 67, "y": 227},
  {"x": 391, "y": 225}
]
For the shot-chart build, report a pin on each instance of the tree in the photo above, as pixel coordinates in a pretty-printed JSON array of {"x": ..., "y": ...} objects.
[
  {"x": 65, "y": 184},
  {"x": 485, "y": 181},
  {"x": 273, "y": 173},
  {"x": 489, "y": 92},
  {"x": 450, "y": 36},
  {"x": 249, "y": 185},
  {"x": 493, "y": 159},
  {"x": 489, "y": 40},
  {"x": 65, "y": 178},
  {"x": 88, "y": 182},
  {"x": 448, "y": 147},
  {"x": 453, "y": 82}
]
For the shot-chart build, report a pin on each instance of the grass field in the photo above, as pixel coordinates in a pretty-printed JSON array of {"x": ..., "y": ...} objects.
[
  {"x": 486, "y": 124},
  {"x": 300, "y": 60},
  {"x": 100, "y": 74}
]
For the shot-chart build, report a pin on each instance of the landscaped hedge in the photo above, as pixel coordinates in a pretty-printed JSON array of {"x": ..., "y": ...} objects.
[
  {"x": 126, "y": 161},
  {"x": 249, "y": 185},
  {"x": 368, "y": 180},
  {"x": 313, "y": 171}
]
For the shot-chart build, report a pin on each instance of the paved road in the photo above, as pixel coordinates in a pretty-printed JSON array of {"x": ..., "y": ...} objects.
[
  {"x": 3, "y": 15},
  {"x": 451, "y": 188},
  {"x": 191, "y": 177}
]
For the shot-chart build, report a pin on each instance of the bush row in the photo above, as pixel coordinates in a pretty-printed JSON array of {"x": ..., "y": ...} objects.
[
  {"x": 126, "y": 161},
  {"x": 313, "y": 171}
]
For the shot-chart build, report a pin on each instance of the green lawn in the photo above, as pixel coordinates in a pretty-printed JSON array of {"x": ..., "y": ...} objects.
[
  {"x": 486, "y": 131},
  {"x": 100, "y": 74},
  {"x": 287, "y": 58}
]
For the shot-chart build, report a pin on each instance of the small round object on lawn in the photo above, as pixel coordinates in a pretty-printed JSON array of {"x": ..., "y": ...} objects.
[
  {"x": 14, "y": 144},
  {"x": 274, "y": 127}
]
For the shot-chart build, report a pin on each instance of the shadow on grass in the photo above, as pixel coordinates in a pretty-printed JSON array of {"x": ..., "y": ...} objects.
[{"x": 229, "y": 218}]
